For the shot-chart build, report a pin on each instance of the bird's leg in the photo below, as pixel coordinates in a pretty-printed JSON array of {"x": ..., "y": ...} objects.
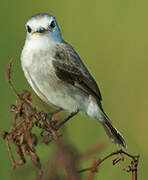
[
  {"x": 48, "y": 116},
  {"x": 67, "y": 118}
]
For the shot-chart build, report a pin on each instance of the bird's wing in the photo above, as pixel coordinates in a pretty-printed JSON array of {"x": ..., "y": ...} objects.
[{"x": 69, "y": 68}]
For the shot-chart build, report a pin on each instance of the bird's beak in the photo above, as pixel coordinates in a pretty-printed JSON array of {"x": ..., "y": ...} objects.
[
  {"x": 35, "y": 32},
  {"x": 40, "y": 33}
]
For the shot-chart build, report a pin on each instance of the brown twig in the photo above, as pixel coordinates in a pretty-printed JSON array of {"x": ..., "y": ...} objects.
[
  {"x": 8, "y": 77},
  {"x": 133, "y": 166},
  {"x": 10, "y": 153}
]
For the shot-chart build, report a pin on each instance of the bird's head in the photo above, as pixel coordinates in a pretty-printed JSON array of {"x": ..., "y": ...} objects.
[{"x": 42, "y": 25}]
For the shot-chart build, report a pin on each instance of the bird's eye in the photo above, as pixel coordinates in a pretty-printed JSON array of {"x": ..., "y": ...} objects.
[
  {"x": 29, "y": 29},
  {"x": 52, "y": 24}
]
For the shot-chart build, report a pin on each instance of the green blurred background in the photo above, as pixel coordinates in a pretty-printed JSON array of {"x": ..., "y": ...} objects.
[{"x": 111, "y": 37}]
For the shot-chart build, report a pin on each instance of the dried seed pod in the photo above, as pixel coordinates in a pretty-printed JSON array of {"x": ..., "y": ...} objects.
[
  {"x": 13, "y": 108},
  {"x": 128, "y": 168},
  {"x": 118, "y": 159}
]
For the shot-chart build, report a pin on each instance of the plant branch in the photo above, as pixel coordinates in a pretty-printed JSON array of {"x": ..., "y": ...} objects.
[{"x": 133, "y": 166}]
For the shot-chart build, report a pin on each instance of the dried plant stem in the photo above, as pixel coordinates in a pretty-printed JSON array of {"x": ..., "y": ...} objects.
[
  {"x": 134, "y": 163},
  {"x": 10, "y": 154}
]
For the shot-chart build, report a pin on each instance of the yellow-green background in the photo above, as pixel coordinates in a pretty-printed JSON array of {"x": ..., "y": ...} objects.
[{"x": 111, "y": 37}]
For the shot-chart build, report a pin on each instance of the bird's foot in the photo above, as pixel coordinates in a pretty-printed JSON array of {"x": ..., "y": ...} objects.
[{"x": 46, "y": 116}]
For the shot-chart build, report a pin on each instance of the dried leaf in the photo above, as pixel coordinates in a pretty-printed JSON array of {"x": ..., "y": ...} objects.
[{"x": 118, "y": 159}]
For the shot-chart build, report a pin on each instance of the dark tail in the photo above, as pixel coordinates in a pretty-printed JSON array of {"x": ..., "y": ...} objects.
[{"x": 113, "y": 133}]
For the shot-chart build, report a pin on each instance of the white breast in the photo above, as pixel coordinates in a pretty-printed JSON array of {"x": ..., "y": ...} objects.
[{"x": 35, "y": 46}]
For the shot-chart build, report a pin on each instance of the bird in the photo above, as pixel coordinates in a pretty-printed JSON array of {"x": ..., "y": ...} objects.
[{"x": 58, "y": 76}]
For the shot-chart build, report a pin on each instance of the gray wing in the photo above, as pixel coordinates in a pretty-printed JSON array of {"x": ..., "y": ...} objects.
[{"x": 69, "y": 68}]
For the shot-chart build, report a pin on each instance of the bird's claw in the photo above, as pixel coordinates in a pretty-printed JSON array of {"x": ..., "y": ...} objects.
[{"x": 46, "y": 116}]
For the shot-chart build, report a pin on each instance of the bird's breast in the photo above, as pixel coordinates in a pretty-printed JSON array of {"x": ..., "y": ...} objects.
[{"x": 37, "y": 48}]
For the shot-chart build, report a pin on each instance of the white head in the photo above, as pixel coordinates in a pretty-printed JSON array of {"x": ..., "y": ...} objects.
[{"x": 43, "y": 25}]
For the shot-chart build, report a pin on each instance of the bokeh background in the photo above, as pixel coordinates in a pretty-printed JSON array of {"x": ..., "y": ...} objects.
[{"x": 112, "y": 39}]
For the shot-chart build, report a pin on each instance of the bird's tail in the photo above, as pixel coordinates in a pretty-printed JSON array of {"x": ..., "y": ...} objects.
[{"x": 112, "y": 132}]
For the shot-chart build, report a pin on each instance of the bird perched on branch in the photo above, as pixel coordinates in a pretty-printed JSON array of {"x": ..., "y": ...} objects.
[{"x": 58, "y": 76}]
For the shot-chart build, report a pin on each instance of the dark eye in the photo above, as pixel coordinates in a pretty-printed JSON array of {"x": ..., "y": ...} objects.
[
  {"x": 29, "y": 29},
  {"x": 52, "y": 24}
]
